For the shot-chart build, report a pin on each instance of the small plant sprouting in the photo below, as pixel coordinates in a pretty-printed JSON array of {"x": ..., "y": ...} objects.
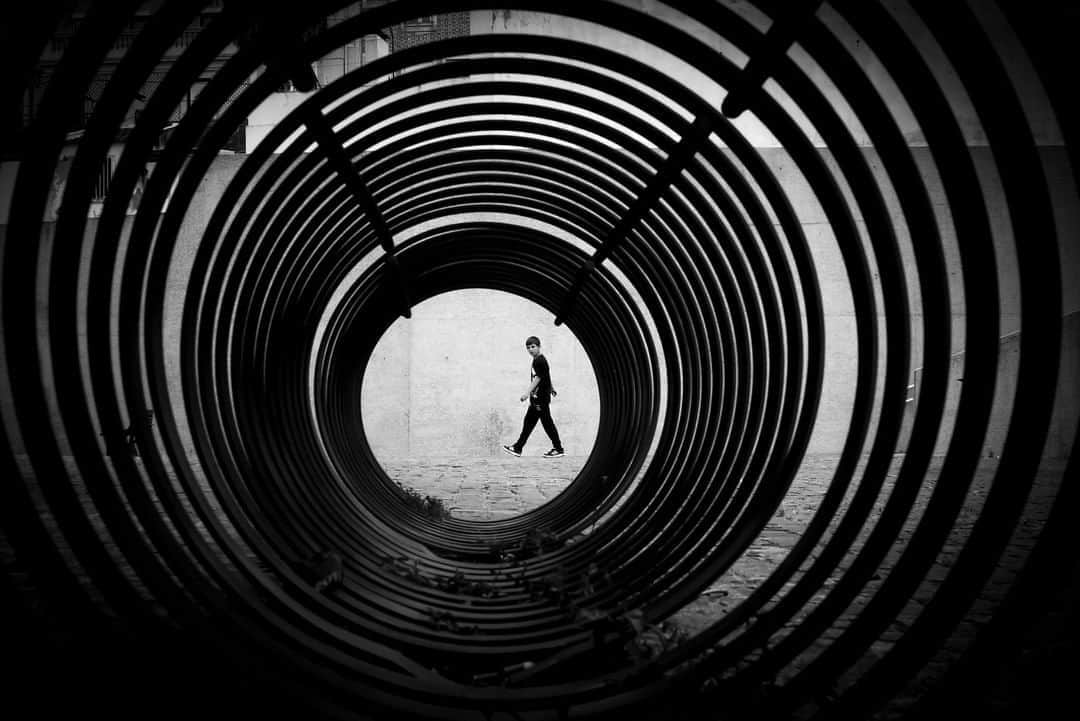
[
  {"x": 654, "y": 639},
  {"x": 459, "y": 584},
  {"x": 536, "y": 542},
  {"x": 446, "y": 621},
  {"x": 426, "y": 505}
]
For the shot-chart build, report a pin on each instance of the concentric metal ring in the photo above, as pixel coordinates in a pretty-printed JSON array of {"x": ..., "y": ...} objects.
[{"x": 718, "y": 288}]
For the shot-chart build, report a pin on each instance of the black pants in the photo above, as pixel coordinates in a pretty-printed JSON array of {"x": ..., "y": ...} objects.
[{"x": 541, "y": 411}]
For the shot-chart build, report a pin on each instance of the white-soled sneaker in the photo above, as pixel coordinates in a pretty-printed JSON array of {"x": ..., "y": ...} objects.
[
  {"x": 554, "y": 454},
  {"x": 511, "y": 451}
]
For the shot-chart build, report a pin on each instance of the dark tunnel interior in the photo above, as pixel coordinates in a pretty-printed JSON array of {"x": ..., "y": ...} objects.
[{"x": 744, "y": 209}]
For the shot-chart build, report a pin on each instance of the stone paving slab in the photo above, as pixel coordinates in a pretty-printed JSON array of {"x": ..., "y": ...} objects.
[
  {"x": 501, "y": 487},
  {"x": 478, "y": 490},
  {"x": 484, "y": 489}
]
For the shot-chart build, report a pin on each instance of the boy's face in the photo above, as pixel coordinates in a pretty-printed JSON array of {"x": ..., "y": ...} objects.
[{"x": 533, "y": 348}]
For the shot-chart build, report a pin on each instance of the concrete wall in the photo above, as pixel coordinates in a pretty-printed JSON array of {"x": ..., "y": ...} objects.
[
  {"x": 1066, "y": 411},
  {"x": 449, "y": 380},
  {"x": 202, "y": 205},
  {"x": 268, "y": 113}
]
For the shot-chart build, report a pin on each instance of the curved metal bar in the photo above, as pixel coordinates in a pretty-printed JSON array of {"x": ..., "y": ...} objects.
[{"x": 624, "y": 201}]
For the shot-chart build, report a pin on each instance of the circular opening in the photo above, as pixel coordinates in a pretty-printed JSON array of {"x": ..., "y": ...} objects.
[{"x": 441, "y": 395}]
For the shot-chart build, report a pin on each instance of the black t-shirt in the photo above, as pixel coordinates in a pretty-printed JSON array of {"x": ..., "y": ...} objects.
[{"x": 541, "y": 370}]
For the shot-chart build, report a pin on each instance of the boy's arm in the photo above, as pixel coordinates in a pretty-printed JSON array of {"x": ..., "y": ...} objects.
[{"x": 532, "y": 387}]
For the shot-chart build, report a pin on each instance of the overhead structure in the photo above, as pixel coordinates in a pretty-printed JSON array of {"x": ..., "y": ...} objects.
[{"x": 174, "y": 462}]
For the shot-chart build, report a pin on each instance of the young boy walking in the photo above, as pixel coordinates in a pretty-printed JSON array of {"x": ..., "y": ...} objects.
[{"x": 539, "y": 397}]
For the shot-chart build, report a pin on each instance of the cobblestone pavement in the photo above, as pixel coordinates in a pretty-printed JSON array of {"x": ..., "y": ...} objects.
[
  {"x": 488, "y": 488},
  {"x": 494, "y": 488}
]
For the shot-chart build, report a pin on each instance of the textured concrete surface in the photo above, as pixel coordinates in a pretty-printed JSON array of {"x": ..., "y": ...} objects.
[
  {"x": 493, "y": 488},
  {"x": 483, "y": 488},
  {"x": 456, "y": 391},
  {"x": 448, "y": 380}
]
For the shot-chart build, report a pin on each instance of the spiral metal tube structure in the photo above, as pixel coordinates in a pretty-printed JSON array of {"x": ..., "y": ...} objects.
[{"x": 632, "y": 205}]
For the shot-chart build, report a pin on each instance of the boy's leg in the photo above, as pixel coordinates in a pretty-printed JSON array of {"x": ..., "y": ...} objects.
[
  {"x": 549, "y": 428},
  {"x": 527, "y": 426}
]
